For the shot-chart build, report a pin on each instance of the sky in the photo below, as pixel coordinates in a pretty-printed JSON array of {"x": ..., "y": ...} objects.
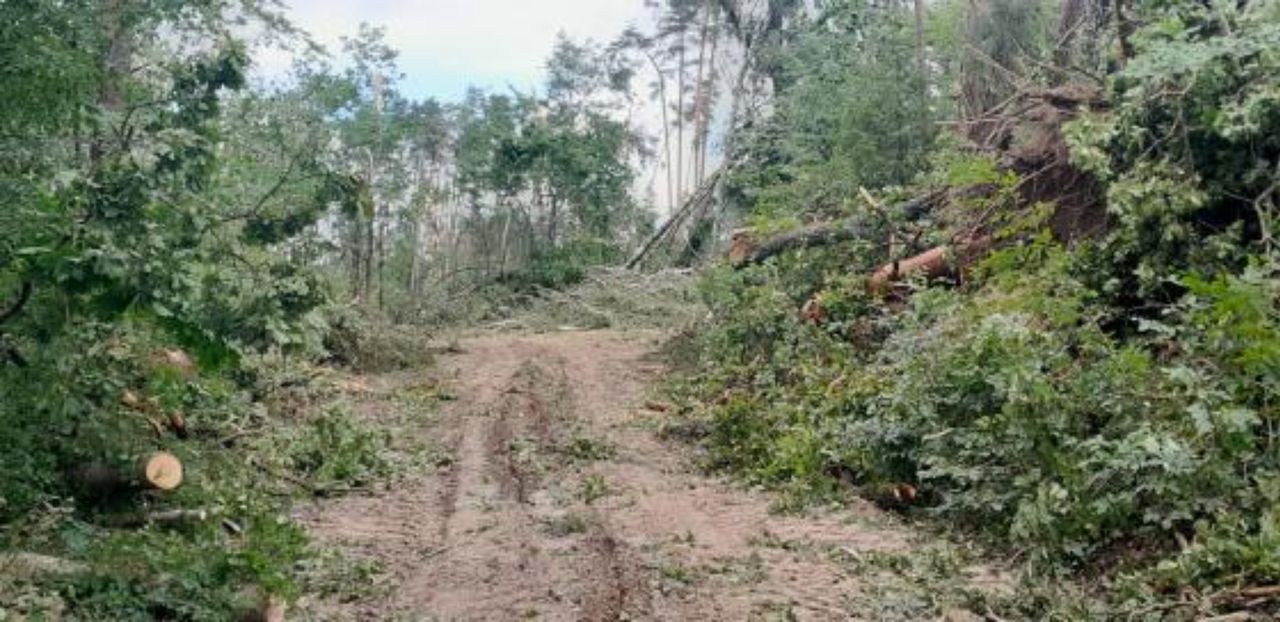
[{"x": 446, "y": 45}]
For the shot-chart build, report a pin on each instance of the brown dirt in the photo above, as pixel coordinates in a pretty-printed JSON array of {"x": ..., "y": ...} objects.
[{"x": 560, "y": 503}]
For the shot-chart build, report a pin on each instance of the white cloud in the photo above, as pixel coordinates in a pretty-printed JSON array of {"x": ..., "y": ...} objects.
[{"x": 445, "y": 44}]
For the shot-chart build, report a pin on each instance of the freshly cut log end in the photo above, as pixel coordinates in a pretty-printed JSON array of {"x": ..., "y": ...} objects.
[
  {"x": 741, "y": 246},
  {"x": 813, "y": 311},
  {"x": 934, "y": 263},
  {"x": 161, "y": 471},
  {"x": 178, "y": 423},
  {"x": 175, "y": 361},
  {"x": 258, "y": 606}
]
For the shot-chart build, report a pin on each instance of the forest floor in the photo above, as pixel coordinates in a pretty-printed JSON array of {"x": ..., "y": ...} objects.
[{"x": 556, "y": 497}]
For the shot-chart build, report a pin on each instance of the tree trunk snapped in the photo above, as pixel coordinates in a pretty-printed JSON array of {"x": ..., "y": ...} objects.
[
  {"x": 934, "y": 263},
  {"x": 745, "y": 250}
]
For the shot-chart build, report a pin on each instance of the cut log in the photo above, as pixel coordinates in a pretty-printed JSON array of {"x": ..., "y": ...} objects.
[
  {"x": 161, "y": 471},
  {"x": 27, "y": 566},
  {"x": 258, "y": 606},
  {"x": 934, "y": 263},
  {"x": 157, "y": 471}
]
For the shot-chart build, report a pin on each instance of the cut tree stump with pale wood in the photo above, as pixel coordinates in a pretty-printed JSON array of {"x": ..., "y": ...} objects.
[{"x": 159, "y": 470}]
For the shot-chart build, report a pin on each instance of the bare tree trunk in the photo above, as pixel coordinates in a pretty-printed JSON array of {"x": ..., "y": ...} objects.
[
  {"x": 116, "y": 60},
  {"x": 699, "y": 87},
  {"x": 666, "y": 128},
  {"x": 382, "y": 262},
  {"x": 502, "y": 245},
  {"x": 553, "y": 220},
  {"x": 921, "y": 63},
  {"x": 680, "y": 122},
  {"x": 355, "y": 246},
  {"x": 415, "y": 247},
  {"x": 706, "y": 100},
  {"x": 367, "y": 223}
]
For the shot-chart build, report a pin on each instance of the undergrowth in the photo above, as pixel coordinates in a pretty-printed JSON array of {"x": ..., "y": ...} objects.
[
  {"x": 254, "y": 436},
  {"x": 1104, "y": 412}
]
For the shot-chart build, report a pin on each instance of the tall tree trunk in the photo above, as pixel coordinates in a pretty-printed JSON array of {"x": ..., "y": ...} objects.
[
  {"x": 116, "y": 60},
  {"x": 921, "y": 63},
  {"x": 502, "y": 244},
  {"x": 553, "y": 220},
  {"x": 382, "y": 262},
  {"x": 706, "y": 100},
  {"x": 666, "y": 129},
  {"x": 415, "y": 247},
  {"x": 699, "y": 87},
  {"x": 680, "y": 122},
  {"x": 356, "y": 245}
]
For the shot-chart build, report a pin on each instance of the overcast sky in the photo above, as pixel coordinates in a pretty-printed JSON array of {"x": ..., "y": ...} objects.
[{"x": 447, "y": 44}]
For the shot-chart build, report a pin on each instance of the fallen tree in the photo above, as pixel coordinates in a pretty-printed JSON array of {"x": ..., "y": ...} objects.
[
  {"x": 745, "y": 250},
  {"x": 701, "y": 201}
]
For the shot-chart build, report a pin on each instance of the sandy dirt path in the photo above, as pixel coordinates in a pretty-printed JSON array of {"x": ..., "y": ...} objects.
[{"x": 559, "y": 502}]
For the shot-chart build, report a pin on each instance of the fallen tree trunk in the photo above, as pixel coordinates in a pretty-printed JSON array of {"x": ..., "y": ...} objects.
[
  {"x": 745, "y": 250},
  {"x": 27, "y": 566},
  {"x": 156, "y": 471},
  {"x": 934, "y": 263},
  {"x": 700, "y": 199}
]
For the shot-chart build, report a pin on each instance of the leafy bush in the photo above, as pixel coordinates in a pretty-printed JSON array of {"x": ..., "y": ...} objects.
[
  {"x": 367, "y": 342},
  {"x": 334, "y": 448},
  {"x": 564, "y": 265}
]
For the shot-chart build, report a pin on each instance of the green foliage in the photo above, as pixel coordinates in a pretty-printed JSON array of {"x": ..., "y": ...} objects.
[
  {"x": 155, "y": 207},
  {"x": 1190, "y": 150},
  {"x": 565, "y": 265},
  {"x": 832, "y": 131},
  {"x": 366, "y": 342},
  {"x": 1016, "y": 417},
  {"x": 1105, "y": 410},
  {"x": 334, "y": 448}
]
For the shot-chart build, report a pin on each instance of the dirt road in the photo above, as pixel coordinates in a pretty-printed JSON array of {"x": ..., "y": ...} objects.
[{"x": 559, "y": 502}]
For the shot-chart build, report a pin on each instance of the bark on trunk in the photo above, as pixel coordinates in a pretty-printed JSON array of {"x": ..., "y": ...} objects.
[
  {"x": 156, "y": 471},
  {"x": 746, "y": 250},
  {"x": 938, "y": 262}
]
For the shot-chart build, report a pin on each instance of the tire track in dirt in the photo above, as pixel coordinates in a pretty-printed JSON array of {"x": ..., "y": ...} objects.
[{"x": 522, "y": 525}]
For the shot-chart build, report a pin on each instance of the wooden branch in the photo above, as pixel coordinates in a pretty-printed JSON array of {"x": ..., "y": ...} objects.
[
  {"x": 24, "y": 295},
  {"x": 165, "y": 517},
  {"x": 26, "y": 566},
  {"x": 746, "y": 251},
  {"x": 704, "y": 194}
]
